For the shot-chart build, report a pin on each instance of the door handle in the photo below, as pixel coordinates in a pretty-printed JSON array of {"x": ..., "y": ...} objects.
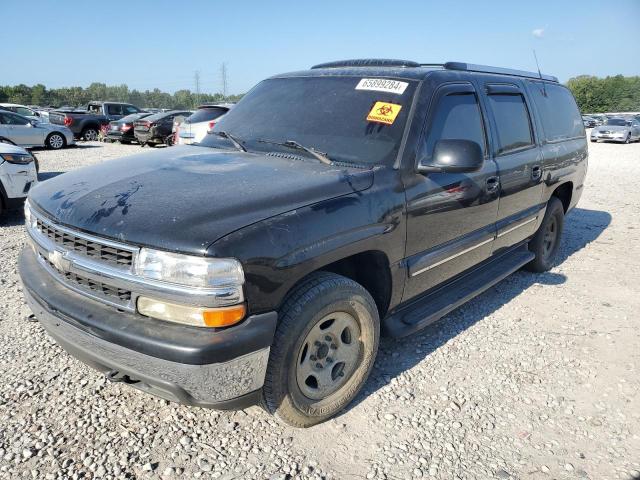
[
  {"x": 536, "y": 172},
  {"x": 492, "y": 184}
]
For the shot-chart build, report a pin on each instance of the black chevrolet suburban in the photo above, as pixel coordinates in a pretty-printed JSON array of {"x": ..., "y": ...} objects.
[{"x": 330, "y": 205}]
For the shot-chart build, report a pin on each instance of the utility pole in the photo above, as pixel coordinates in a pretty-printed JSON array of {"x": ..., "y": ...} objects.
[
  {"x": 223, "y": 74},
  {"x": 197, "y": 80}
]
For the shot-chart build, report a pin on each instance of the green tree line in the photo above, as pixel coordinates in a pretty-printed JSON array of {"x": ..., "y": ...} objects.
[
  {"x": 76, "y": 96},
  {"x": 610, "y": 94}
]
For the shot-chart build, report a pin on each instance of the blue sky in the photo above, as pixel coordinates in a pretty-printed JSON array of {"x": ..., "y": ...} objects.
[{"x": 148, "y": 44}]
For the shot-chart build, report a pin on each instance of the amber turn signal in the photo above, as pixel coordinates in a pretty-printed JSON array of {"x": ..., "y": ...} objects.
[
  {"x": 224, "y": 316},
  {"x": 188, "y": 315}
]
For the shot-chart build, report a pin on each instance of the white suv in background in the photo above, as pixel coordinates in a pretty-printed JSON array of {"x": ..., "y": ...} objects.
[
  {"x": 18, "y": 174},
  {"x": 195, "y": 127}
]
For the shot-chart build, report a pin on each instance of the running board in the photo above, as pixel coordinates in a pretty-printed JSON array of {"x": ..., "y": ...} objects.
[{"x": 435, "y": 305}]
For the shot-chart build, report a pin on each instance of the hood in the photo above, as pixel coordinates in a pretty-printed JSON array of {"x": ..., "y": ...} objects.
[
  {"x": 184, "y": 198},
  {"x": 612, "y": 128}
]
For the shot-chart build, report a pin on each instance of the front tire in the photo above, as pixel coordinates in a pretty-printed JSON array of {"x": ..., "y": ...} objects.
[
  {"x": 56, "y": 141},
  {"x": 323, "y": 350},
  {"x": 628, "y": 139},
  {"x": 546, "y": 241}
]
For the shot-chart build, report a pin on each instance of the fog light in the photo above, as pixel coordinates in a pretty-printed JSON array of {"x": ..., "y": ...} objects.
[{"x": 188, "y": 315}]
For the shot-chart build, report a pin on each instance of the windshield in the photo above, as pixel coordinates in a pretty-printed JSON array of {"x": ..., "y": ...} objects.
[
  {"x": 328, "y": 114},
  {"x": 617, "y": 122}
]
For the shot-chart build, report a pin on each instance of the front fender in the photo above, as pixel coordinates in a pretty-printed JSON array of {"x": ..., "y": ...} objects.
[{"x": 279, "y": 251}]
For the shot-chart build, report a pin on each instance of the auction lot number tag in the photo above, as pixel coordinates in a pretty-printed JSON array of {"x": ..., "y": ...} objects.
[
  {"x": 384, "y": 112},
  {"x": 382, "y": 85}
]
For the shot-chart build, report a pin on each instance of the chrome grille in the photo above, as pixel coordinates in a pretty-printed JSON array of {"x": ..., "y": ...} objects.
[
  {"x": 114, "y": 256},
  {"x": 95, "y": 287}
]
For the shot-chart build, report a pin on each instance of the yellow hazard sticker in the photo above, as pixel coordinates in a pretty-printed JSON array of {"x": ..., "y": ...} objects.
[{"x": 384, "y": 112}]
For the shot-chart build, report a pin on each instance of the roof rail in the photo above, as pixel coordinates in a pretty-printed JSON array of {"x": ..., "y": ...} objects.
[
  {"x": 470, "y": 67},
  {"x": 368, "y": 62}
]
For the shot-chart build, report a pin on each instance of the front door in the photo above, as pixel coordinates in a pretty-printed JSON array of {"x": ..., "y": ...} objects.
[{"x": 450, "y": 216}]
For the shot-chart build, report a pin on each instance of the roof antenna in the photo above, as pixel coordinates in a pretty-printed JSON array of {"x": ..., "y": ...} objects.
[{"x": 544, "y": 90}]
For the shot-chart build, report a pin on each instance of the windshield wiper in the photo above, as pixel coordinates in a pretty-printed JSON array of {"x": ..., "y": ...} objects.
[
  {"x": 232, "y": 139},
  {"x": 297, "y": 146}
]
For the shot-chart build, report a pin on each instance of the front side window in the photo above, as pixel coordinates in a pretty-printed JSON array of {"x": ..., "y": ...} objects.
[
  {"x": 24, "y": 111},
  {"x": 513, "y": 125},
  {"x": 345, "y": 117},
  {"x": 457, "y": 117}
]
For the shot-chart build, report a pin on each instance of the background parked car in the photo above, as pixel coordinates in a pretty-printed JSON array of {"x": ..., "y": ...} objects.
[
  {"x": 19, "y": 130},
  {"x": 618, "y": 129},
  {"x": 589, "y": 122},
  {"x": 85, "y": 122},
  {"x": 18, "y": 173},
  {"x": 30, "y": 113},
  {"x": 156, "y": 129},
  {"x": 122, "y": 130},
  {"x": 195, "y": 127}
]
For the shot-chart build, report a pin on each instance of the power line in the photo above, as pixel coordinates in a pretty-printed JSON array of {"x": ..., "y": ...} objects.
[
  {"x": 223, "y": 74},
  {"x": 197, "y": 79}
]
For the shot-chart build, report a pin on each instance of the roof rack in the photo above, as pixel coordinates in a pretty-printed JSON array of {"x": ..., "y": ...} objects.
[
  {"x": 368, "y": 62},
  {"x": 470, "y": 67}
]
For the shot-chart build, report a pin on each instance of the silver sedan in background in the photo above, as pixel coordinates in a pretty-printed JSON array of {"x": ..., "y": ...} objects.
[
  {"x": 19, "y": 130},
  {"x": 619, "y": 130}
]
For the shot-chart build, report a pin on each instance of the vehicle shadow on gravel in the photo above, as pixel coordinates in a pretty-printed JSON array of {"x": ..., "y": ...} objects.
[{"x": 395, "y": 356}]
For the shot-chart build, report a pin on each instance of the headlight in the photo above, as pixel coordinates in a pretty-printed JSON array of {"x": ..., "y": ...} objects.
[
  {"x": 29, "y": 220},
  {"x": 189, "y": 270},
  {"x": 19, "y": 158}
]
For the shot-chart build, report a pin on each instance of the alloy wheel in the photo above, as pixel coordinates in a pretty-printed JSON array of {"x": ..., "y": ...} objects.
[{"x": 56, "y": 141}]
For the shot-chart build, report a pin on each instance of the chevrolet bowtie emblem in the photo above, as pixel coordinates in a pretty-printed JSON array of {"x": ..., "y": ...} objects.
[{"x": 59, "y": 260}]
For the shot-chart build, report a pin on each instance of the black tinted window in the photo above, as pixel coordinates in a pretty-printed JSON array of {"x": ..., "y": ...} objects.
[
  {"x": 512, "y": 122},
  {"x": 558, "y": 111},
  {"x": 114, "y": 109},
  {"x": 457, "y": 117},
  {"x": 206, "y": 114}
]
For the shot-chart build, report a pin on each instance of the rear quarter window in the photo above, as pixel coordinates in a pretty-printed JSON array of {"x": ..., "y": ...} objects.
[{"x": 558, "y": 112}]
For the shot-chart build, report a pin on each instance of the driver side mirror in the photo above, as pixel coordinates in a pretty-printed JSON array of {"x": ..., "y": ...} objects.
[
  {"x": 33, "y": 123},
  {"x": 454, "y": 156}
]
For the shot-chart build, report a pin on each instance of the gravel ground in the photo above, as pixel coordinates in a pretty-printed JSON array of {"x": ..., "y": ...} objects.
[{"x": 537, "y": 378}]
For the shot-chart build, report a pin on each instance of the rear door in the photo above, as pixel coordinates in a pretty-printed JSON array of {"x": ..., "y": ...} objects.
[
  {"x": 519, "y": 160},
  {"x": 451, "y": 216}
]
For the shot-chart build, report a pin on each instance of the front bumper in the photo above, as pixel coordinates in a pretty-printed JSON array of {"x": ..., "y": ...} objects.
[
  {"x": 608, "y": 138},
  {"x": 190, "y": 365}
]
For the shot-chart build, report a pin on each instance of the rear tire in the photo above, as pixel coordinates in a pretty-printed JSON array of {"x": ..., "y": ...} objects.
[
  {"x": 55, "y": 141},
  {"x": 546, "y": 241},
  {"x": 90, "y": 134},
  {"x": 323, "y": 350}
]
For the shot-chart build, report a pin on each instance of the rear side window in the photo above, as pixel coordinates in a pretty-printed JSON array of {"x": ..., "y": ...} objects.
[
  {"x": 513, "y": 125},
  {"x": 457, "y": 117},
  {"x": 558, "y": 111},
  {"x": 206, "y": 114}
]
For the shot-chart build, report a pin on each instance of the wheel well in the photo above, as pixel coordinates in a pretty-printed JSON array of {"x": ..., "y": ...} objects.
[
  {"x": 371, "y": 270},
  {"x": 564, "y": 192}
]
